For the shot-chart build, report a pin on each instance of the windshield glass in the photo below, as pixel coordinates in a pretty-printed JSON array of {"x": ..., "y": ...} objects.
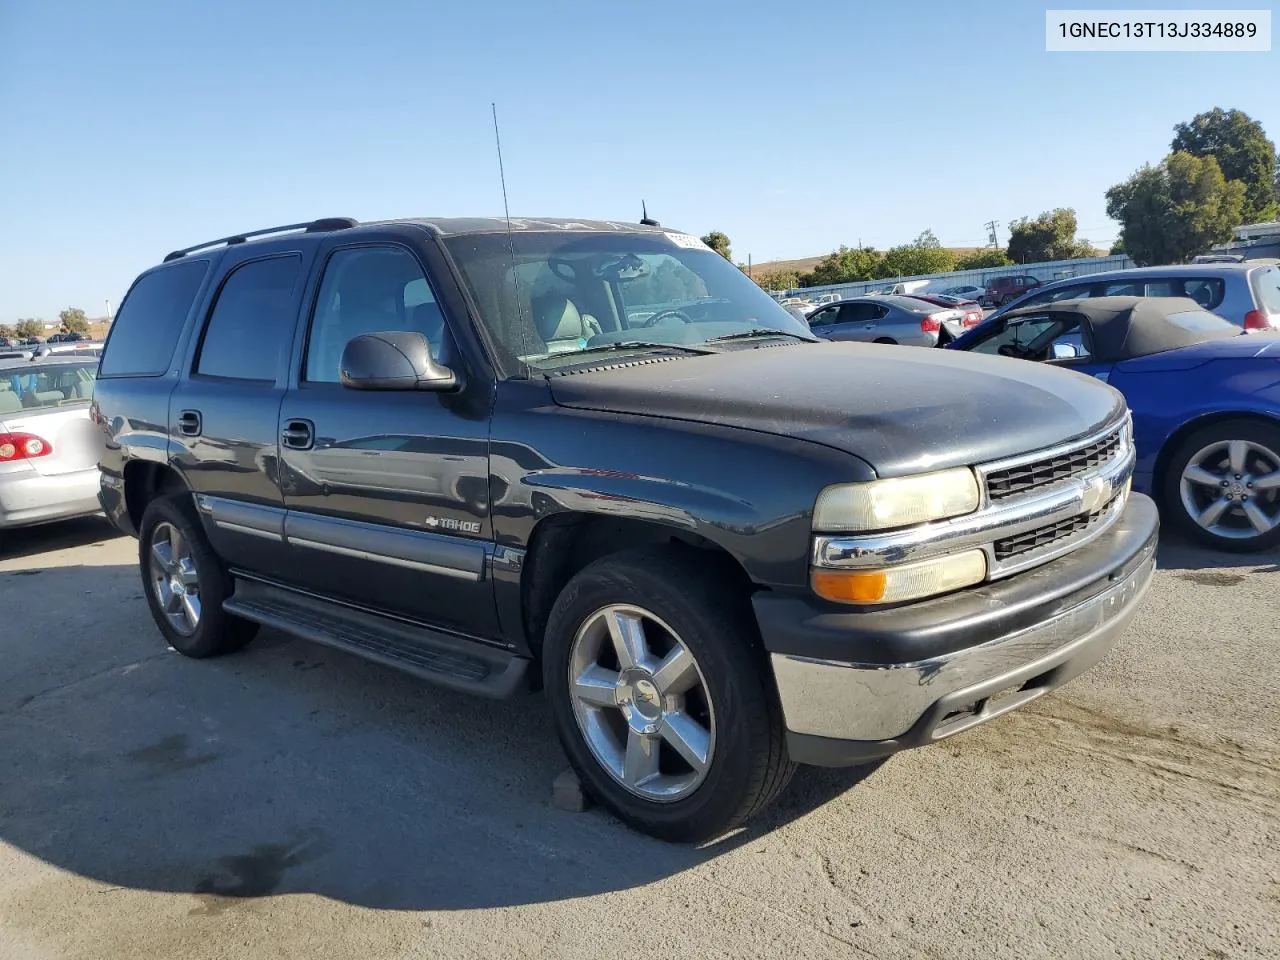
[
  {"x": 32, "y": 386},
  {"x": 546, "y": 297}
]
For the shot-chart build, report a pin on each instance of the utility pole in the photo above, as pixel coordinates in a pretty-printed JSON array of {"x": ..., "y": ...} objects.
[
  {"x": 992, "y": 239},
  {"x": 748, "y": 264}
]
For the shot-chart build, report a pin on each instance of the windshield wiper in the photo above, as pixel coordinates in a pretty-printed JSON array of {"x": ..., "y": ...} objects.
[
  {"x": 748, "y": 334},
  {"x": 636, "y": 345}
]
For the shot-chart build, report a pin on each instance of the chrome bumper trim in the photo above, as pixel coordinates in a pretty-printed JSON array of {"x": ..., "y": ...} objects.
[{"x": 875, "y": 702}]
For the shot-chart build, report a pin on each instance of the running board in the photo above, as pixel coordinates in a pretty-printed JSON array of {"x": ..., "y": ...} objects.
[{"x": 428, "y": 654}]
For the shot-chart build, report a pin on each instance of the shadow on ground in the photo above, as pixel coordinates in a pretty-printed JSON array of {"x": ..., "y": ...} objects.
[
  {"x": 30, "y": 541},
  {"x": 293, "y": 768},
  {"x": 1211, "y": 567}
]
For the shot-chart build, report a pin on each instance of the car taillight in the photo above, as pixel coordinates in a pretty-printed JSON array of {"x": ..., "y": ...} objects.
[
  {"x": 23, "y": 446},
  {"x": 930, "y": 325},
  {"x": 1256, "y": 320},
  {"x": 972, "y": 318}
]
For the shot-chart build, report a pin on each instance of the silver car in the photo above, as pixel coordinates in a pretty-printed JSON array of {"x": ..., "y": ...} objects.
[
  {"x": 48, "y": 447},
  {"x": 886, "y": 319},
  {"x": 1246, "y": 294}
]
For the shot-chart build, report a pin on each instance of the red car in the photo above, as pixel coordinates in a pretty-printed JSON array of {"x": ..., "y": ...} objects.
[
  {"x": 972, "y": 312},
  {"x": 1000, "y": 290}
]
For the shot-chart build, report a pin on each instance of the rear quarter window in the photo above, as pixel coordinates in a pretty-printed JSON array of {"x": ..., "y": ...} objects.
[{"x": 150, "y": 321}]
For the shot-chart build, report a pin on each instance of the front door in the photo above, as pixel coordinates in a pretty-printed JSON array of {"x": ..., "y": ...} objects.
[
  {"x": 387, "y": 491},
  {"x": 223, "y": 417}
]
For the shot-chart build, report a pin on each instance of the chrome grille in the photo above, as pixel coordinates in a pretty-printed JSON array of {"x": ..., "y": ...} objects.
[
  {"x": 1012, "y": 481},
  {"x": 1010, "y": 547}
]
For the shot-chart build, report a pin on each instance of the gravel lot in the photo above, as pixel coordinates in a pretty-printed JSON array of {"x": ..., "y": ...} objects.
[{"x": 291, "y": 801}]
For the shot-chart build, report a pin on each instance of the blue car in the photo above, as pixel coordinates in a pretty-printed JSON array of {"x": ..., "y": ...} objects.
[{"x": 1205, "y": 398}]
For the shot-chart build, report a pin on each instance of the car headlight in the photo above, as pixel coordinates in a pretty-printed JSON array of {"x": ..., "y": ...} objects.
[
  {"x": 910, "y": 581},
  {"x": 896, "y": 502}
]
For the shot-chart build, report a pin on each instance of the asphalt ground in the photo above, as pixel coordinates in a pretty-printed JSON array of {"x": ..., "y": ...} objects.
[{"x": 291, "y": 801}]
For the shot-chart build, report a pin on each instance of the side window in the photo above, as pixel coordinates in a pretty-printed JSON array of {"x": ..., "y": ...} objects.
[
  {"x": 1206, "y": 291},
  {"x": 1016, "y": 337},
  {"x": 855, "y": 313},
  {"x": 1164, "y": 288},
  {"x": 1125, "y": 288},
  {"x": 876, "y": 311},
  {"x": 824, "y": 317},
  {"x": 368, "y": 290},
  {"x": 150, "y": 320},
  {"x": 251, "y": 325},
  {"x": 1078, "y": 292}
]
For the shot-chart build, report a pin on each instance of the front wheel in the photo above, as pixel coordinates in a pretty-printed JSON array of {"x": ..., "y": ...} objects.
[
  {"x": 1223, "y": 485},
  {"x": 660, "y": 695}
]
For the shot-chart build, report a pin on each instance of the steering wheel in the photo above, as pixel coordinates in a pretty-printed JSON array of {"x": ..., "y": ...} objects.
[
  {"x": 563, "y": 269},
  {"x": 653, "y": 320}
]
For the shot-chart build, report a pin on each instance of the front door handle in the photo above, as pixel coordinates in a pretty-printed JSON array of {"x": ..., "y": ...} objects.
[
  {"x": 190, "y": 423},
  {"x": 298, "y": 434}
]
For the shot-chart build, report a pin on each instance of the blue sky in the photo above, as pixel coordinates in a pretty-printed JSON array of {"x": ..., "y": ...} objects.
[{"x": 135, "y": 127}]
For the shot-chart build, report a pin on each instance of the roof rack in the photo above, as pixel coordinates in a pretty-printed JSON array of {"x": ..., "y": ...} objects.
[{"x": 323, "y": 225}]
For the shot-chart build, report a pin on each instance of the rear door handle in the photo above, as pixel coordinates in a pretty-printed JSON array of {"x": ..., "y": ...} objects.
[
  {"x": 190, "y": 423},
  {"x": 298, "y": 434}
]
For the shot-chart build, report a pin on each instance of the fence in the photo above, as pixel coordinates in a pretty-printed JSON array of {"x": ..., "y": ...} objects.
[{"x": 1049, "y": 270}]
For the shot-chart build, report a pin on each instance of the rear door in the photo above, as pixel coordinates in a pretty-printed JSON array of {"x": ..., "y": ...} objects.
[
  {"x": 387, "y": 491},
  {"x": 224, "y": 416}
]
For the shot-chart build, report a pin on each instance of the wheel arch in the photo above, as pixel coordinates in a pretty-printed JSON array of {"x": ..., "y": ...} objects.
[
  {"x": 144, "y": 480},
  {"x": 1176, "y": 438},
  {"x": 564, "y": 543}
]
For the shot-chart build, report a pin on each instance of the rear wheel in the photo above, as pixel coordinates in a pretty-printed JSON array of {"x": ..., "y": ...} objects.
[
  {"x": 185, "y": 582},
  {"x": 660, "y": 695},
  {"x": 1222, "y": 485}
]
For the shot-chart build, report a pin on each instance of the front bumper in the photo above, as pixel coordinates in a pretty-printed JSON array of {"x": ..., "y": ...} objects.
[
  {"x": 30, "y": 498},
  {"x": 859, "y": 685}
]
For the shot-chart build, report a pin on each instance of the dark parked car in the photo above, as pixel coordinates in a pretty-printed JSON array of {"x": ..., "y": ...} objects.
[
  {"x": 1000, "y": 290},
  {"x": 596, "y": 458},
  {"x": 1205, "y": 400}
]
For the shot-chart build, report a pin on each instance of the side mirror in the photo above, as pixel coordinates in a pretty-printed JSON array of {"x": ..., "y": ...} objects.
[
  {"x": 1064, "y": 351},
  {"x": 393, "y": 360}
]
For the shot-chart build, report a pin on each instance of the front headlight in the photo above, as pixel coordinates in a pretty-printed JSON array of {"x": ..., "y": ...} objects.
[{"x": 896, "y": 502}]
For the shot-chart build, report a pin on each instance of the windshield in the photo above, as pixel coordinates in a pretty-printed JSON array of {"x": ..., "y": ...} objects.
[
  {"x": 31, "y": 386},
  {"x": 557, "y": 294}
]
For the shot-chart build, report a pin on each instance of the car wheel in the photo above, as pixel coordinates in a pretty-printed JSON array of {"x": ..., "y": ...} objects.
[
  {"x": 660, "y": 693},
  {"x": 186, "y": 583},
  {"x": 1223, "y": 485}
]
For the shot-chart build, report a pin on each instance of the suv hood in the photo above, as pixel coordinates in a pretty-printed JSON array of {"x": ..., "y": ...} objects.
[{"x": 901, "y": 409}]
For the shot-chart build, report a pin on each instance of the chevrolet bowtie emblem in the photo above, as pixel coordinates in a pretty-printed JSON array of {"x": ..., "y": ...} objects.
[{"x": 1096, "y": 493}]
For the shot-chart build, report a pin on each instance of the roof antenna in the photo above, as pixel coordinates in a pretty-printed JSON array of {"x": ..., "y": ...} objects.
[
  {"x": 511, "y": 244},
  {"x": 644, "y": 216}
]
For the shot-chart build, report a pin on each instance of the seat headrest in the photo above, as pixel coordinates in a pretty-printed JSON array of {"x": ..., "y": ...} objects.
[{"x": 556, "y": 317}]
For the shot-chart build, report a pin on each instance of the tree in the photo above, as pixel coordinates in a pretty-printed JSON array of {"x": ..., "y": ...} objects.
[
  {"x": 846, "y": 265},
  {"x": 923, "y": 255},
  {"x": 1117, "y": 247},
  {"x": 74, "y": 320},
  {"x": 29, "y": 327},
  {"x": 719, "y": 242},
  {"x": 1171, "y": 212},
  {"x": 1243, "y": 152},
  {"x": 1050, "y": 236},
  {"x": 983, "y": 259},
  {"x": 778, "y": 279},
  {"x": 7, "y": 331}
]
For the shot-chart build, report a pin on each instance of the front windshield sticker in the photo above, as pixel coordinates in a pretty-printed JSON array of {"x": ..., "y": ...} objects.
[{"x": 686, "y": 241}]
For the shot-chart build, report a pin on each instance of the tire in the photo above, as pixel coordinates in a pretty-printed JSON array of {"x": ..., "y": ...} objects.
[
  {"x": 747, "y": 764},
  {"x": 1207, "y": 455},
  {"x": 215, "y": 631}
]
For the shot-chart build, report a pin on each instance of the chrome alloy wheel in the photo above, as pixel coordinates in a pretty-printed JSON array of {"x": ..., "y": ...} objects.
[
  {"x": 174, "y": 578},
  {"x": 641, "y": 703},
  {"x": 1231, "y": 488}
]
